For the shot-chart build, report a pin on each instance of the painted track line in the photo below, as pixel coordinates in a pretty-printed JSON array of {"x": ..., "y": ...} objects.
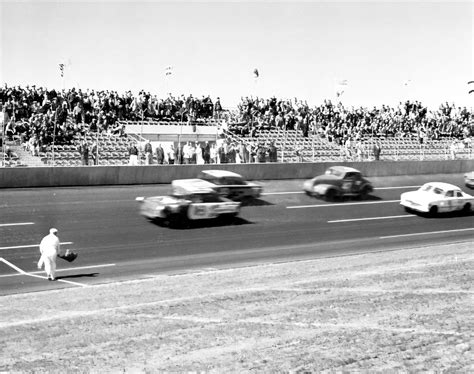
[
  {"x": 425, "y": 233},
  {"x": 31, "y": 246},
  {"x": 60, "y": 270},
  {"x": 302, "y": 192},
  {"x": 16, "y": 224},
  {"x": 22, "y": 272},
  {"x": 370, "y": 218},
  {"x": 341, "y": 204}
]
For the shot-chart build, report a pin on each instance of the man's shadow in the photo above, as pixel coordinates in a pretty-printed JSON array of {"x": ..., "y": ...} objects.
[{"x": 90, "y": 275}]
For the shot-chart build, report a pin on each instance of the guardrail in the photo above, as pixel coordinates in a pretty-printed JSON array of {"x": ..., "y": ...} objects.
[{"x": 161, "y": 174}]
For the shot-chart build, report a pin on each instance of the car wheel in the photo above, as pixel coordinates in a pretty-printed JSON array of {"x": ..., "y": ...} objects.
[
  {"x": 466, "y": 208},
  {"x": 408, "y": 210},
  {"x": 364, "y": 194},
  {"x": 331, "y": 194},
  {"x": 433, "y": 210}
]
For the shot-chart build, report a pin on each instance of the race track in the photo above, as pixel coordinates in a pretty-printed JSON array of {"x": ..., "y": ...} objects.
[{"x": 115, "y": 243}]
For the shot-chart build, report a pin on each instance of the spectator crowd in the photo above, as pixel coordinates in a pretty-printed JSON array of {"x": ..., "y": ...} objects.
[
  {"x": 337, "y": 122},
  {"x": 39, "y": 117},
  {"x": 38, "y": 113}
]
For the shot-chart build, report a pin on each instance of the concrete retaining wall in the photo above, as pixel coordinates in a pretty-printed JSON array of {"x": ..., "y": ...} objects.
[{"x": 121, "y": 175}]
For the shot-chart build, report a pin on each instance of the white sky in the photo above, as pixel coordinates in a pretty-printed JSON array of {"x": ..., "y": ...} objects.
[{"x": 299, "y": 48}]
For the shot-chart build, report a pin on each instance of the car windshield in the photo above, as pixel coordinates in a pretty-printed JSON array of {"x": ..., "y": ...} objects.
[
  {"x": 334, "y": 172},
  {"x": 432, "y": 189}
]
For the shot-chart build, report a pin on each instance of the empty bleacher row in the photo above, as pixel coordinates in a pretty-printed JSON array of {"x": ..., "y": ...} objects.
[
  {"x": 112, "y": 150},
  {"x": 294, "y": 147}
]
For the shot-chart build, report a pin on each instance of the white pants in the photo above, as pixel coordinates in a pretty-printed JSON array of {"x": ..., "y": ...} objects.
[{"x": 49, "y": 265}]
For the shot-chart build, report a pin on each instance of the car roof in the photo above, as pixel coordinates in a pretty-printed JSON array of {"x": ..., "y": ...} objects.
[
  {"x": 221, "y": 173},
  {"x": 191, "y": 186},
  {"x": 344, "y": 169},
  {"x": 444, "y": 186}
]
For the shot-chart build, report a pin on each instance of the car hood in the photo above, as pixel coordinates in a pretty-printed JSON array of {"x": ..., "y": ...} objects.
[
  {"x": 163, "y": 200},
  {"x": 419, "y": 196}
]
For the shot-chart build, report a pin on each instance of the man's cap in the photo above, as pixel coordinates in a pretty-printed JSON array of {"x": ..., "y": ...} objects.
[{"x": 53, "y": 230}]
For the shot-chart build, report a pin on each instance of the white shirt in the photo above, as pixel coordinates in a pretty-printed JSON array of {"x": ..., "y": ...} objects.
[{"x": 50, "y": 246}]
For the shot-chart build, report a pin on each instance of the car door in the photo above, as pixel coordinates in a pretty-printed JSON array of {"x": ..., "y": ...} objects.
[
  {"x": 450, "y": 203},
  {"x": 351, "y": 183}
]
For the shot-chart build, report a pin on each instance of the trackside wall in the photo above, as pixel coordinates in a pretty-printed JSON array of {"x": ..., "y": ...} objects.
[{"x": 122, "y": 175}]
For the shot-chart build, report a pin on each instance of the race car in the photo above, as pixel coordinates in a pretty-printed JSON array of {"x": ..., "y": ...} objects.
[
  {"x": 337, "y": 182},
  {"x": 190, "y": 200},
  {"x": 230, "y": 184},
  {"x": 437, "y": 197},
  {"x": 469, "y": 179}
]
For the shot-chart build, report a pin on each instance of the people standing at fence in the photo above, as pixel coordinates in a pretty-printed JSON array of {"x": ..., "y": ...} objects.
[
  {"x": 148, "y": 153},
  {"x": 160, "y": 154},
  {"x": 133, "y": 154},
  {"x": 83, "y": 150},
  {"x": 377, "y": 149},
  {"x": 272, "y": 152},
  {"x": 94, "y": 153},
  {"x": 171, "y": 154},
  {"x": 213, "y": 154}
]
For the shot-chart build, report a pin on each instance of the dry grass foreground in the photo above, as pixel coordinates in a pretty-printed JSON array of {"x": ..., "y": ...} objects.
[{"x": 408, "y": 310}]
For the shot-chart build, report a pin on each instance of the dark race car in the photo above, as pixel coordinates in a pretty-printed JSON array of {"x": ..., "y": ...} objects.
[
  {"x": 338, "y": 182},
  {"x": 230, "y": 184}
]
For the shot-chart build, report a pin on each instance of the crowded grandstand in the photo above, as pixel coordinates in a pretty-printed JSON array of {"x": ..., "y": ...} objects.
[{"x": 48, "y": 127}]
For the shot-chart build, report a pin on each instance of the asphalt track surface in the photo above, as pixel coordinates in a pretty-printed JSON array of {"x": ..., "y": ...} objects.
[{"x": 115, "y": 243}]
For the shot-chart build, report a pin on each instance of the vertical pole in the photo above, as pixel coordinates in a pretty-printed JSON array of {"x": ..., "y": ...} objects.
[
  {"x": 54, "y": 138},
  {"x": 3, "y": 137}
]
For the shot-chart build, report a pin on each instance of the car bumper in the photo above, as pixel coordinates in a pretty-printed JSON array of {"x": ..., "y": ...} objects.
[{"x": 414, "y": 206}]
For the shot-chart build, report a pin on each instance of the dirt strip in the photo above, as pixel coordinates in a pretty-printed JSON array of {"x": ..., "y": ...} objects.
[{"x": 408, "y": 310}]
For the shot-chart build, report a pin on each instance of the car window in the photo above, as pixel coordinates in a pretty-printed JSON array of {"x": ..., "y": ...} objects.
[
  {"x": 235, "y": 181},
  {"x": 450, "y": 194},
  {"x": 210, "y": 198},
  {"x": 459, "y": 194},
  {"x": 438, "y": 191},
  {"x": 335, "y": 172}
]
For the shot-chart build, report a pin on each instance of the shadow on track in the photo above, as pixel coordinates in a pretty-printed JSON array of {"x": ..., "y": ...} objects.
[
  {"x": 90, "y": 275},
  {"x": 186, "y": 225},
  {"x": 255, "y": 202}
]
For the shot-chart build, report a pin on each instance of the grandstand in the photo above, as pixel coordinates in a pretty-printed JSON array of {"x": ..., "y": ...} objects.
[{"x": 300, "y": 134}]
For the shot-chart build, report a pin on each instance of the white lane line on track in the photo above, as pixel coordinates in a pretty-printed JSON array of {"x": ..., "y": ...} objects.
[
  {"x": 370, "y": 218},
  {"x": 301, "y": 192},
  {"x": 22, "y": 272},
  {"x": 30, "y": 246},
  {"x": 395, "y": 187},
  {"x": 341, "y": 204},
  {"x": 425, "y": 233},
  {"x": 16, "y": 224},
  {"x": 60, "y": 270}
]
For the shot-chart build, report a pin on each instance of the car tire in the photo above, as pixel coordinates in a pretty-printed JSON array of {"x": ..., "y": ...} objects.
[
  {"x": 466, "y": 209},
  {"x": 408, "y": 210},
  {"x": 433, "y": 210},
  {"x": 331, "y": 194},
  {"x": 364, "y": 193}
]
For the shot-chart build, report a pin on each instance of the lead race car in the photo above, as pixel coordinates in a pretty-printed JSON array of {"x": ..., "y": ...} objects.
[
  {"x": 190, "y": 200},
  {"x": 437, "y": 197},
  {"x": 337, "y": 182},
  {"x": 469, "y": 179}
]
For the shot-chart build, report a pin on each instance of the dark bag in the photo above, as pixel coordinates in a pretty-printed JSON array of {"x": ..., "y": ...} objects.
[{"x": 69, "y": 256}]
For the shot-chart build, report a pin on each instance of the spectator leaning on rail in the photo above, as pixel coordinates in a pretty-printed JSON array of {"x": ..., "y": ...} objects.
[
  {"x": 133, "y": 154},
  {"x": 50, "y": 249}
]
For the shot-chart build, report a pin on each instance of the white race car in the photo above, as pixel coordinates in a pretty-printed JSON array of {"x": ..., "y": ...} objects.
[
  {"x": 191, "y": 200},
  {"x": 437, "y": 197}
]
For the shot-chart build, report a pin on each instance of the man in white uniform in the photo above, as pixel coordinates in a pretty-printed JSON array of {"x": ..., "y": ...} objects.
[{"x": 50, "y": 249}]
